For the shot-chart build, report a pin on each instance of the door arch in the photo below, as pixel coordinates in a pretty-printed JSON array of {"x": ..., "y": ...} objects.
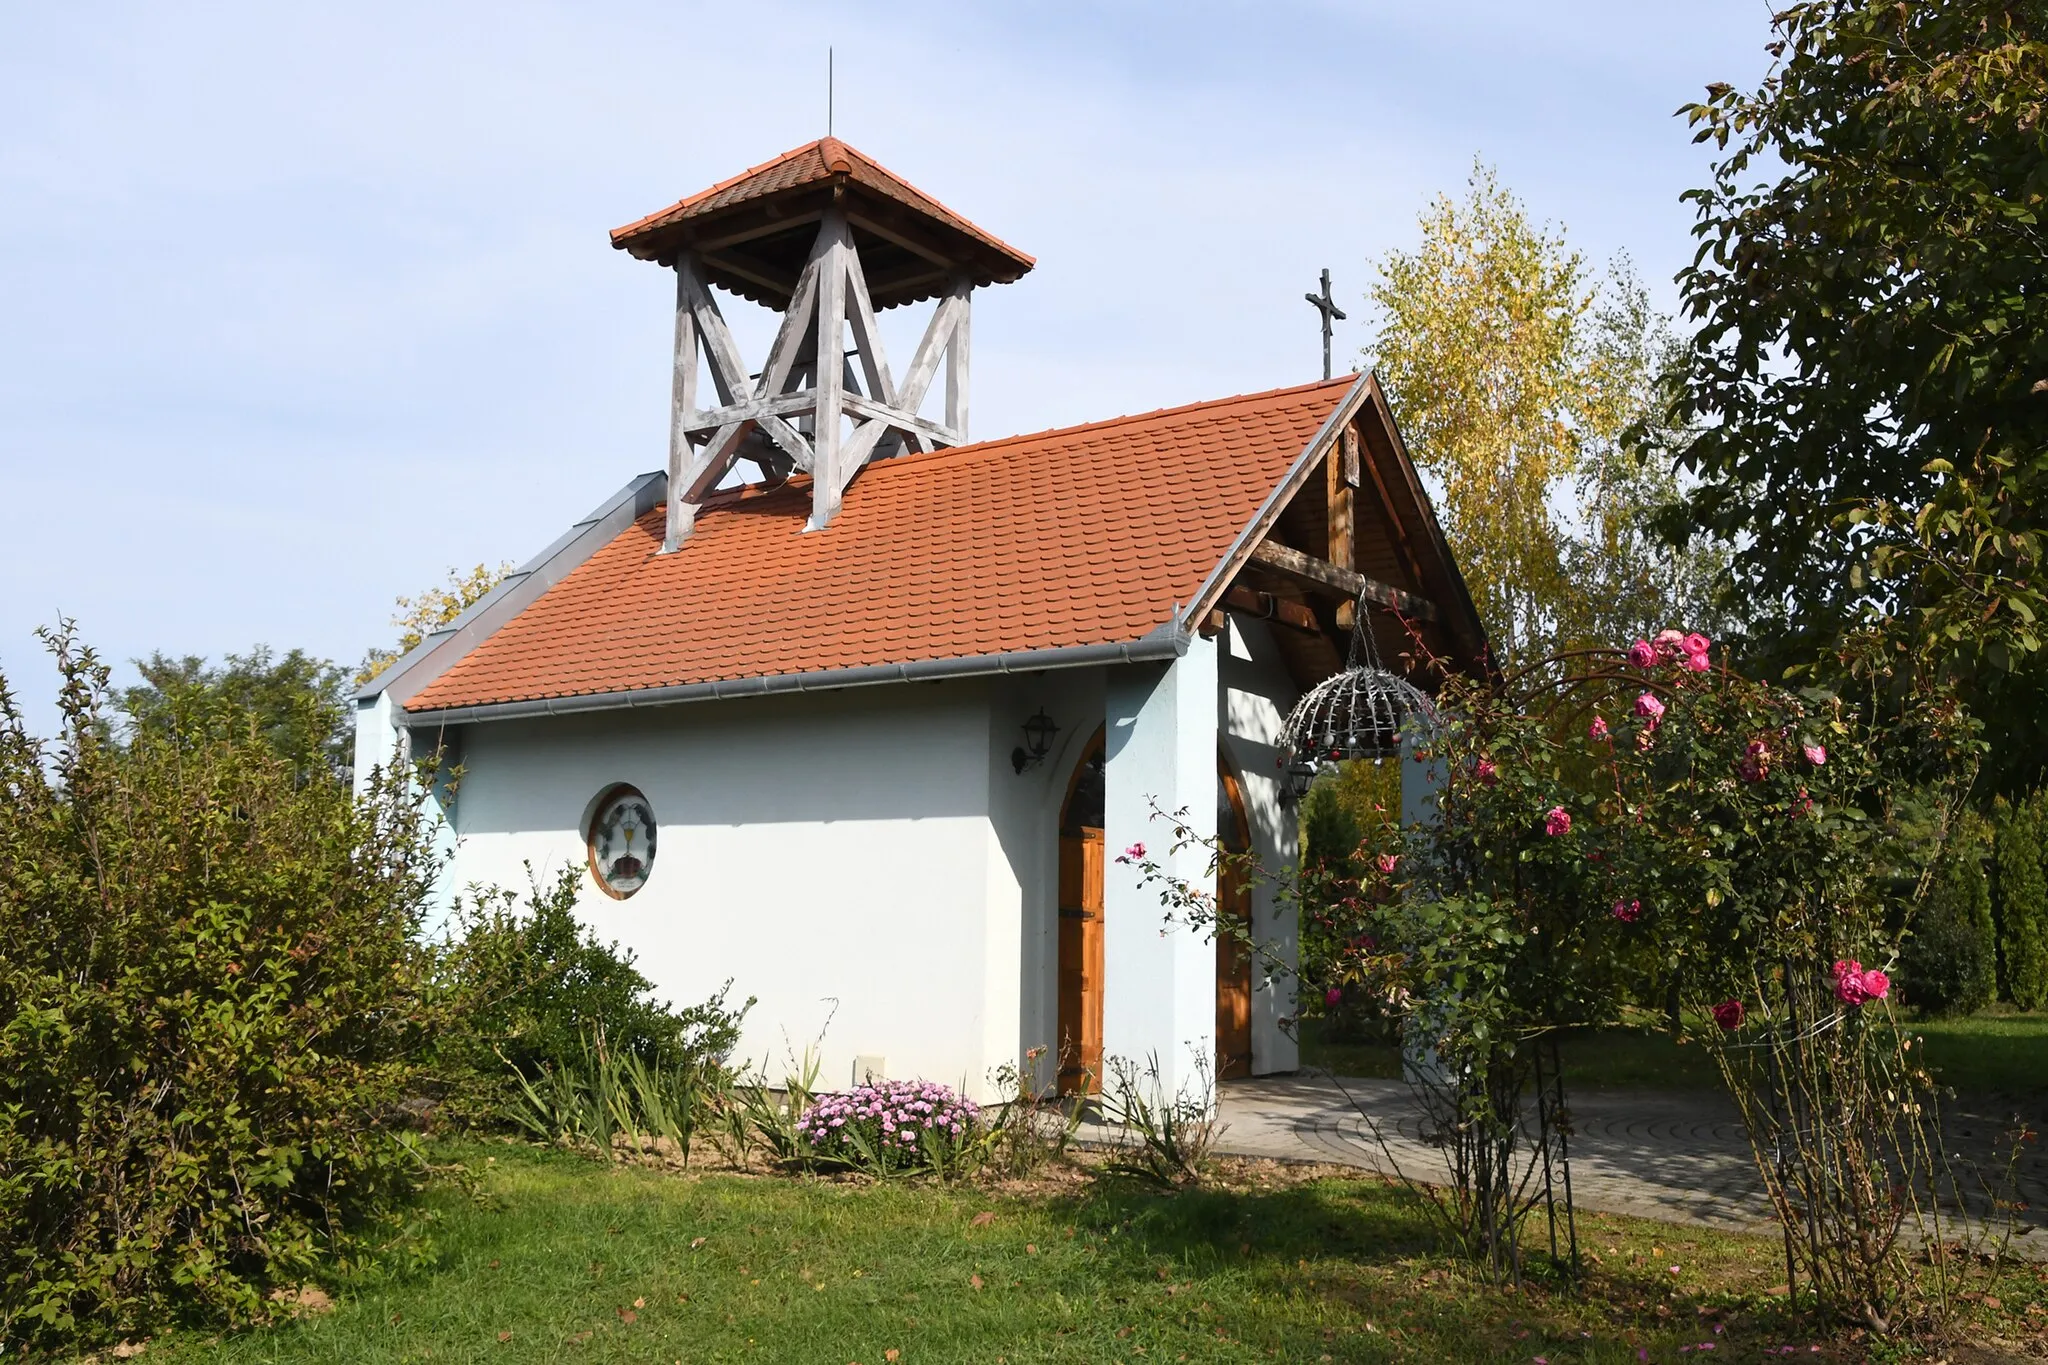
[
  {"x": 1079, "y": 1024},
  {"x": 1233, "y": 957}
]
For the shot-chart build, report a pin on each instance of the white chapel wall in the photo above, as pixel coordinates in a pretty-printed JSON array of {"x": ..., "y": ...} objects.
[
  {"x": 1253, "y": 699},
  {"x": 832, "y": 853}
]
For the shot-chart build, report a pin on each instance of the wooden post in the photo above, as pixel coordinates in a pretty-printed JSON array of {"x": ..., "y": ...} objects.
[
  {"x": 956, "y": 364},
  {"x": 682, "y": 402},
  {"x": 1338, "y": 488},
  {"x": 831, "y": 376}
]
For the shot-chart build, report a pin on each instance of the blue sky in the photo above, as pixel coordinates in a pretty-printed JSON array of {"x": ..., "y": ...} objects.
[{"x": 302, "y": 305}]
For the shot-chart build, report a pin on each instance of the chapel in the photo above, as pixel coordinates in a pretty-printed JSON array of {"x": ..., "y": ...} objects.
[{"x": 859, "y": 713}]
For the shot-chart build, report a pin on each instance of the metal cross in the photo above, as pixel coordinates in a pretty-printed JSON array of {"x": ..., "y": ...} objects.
[{"x": 1327, "y": 306}]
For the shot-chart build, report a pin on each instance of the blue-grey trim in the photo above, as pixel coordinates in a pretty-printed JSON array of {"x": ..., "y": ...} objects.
[
  {"x": 1169, "y": 641},
  {"x": 440, "y": 651}
]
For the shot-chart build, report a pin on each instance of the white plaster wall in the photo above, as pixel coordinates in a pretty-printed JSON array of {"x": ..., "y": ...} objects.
[
  {"x": 832, "y": 853},
  {"x": 1254, "y": 695},
  {"x": 1024, "y": 813}
]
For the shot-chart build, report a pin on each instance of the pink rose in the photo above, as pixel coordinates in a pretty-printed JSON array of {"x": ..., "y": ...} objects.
[
  {"x": 1332, "y": 996},
  {"x": 1598, "y": 729},
  {"x": 1649, "y": 707},
  {"x": 1876, "y": 985},
  {"x": 1729, "y": 1014},
  {"x": 1628, "y": 912},
  {"x": 1486, "y": 772},
  {"x": 1755, "y": 763},
  {"x": 1696, "y": 643},
  {"x": 1135, "y": 853},
  {"x": 1387, "y": 862},
  {"x": 1559, "y": 821},
  {"x": 1803, "y": 805},
  {"x": 1670, "y": 644},
  {"x": 1816, "y": 754},
  {"x": 1849, "y": 982},
  {"x": 1642, "y": 654},
  {"x": 1695, "y": 663}
]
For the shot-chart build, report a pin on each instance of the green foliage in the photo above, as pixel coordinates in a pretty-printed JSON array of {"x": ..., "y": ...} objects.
[
  {"x": 1864, "y": 403},
  {"x": 295, "y": 705},
  {"x": 2021, "y": 907},
  {"x": 1949, "y": 962},
  {"x": 539, "y": 992},
  {"x": 618, "y": 1103},
  {"x": 212, "y": 998}
]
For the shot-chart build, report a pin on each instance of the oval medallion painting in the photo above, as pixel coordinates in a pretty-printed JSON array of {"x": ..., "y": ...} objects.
[{"x": 621, "y": 841}]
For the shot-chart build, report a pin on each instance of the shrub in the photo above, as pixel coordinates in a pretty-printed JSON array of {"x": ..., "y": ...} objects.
[
  {"x": 212, "y": 993},
  {"x": 1948, "y": 964},
  {"x": 2022, "y": 903},
  {"x": 539, "y": 992},
  {"x": 892, "y": 1127}
]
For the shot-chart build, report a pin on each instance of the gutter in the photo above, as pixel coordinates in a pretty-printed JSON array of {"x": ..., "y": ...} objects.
[{"x": 1169, "y": 641}]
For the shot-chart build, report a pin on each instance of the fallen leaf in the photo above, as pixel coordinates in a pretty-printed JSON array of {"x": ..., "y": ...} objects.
[
  {"x": 891, "y": 1353},
  {"x": 1031, "y": 1248},
  {"x": 982, "y": 1219},
  {"x": 504, "y": 1336},
  {"x": 974, "y": 1280},
  {"x": 639, "y": 1303},
  {"x": 628, "y": 1316},
  {"x": 1991, "y": 1301},
  {"x": 696, "y": 1242},
  {"x": 580, "y": 1338},
  {"x": 128, "y": 1350}
]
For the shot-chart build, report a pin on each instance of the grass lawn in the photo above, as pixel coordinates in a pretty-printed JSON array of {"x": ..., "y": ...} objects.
[
  {"x": 556, "y": 1258},
  {"x": 1984, "y": 1054}
]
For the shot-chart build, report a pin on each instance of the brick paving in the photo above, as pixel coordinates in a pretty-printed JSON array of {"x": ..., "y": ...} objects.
[{"x": 1676, "y": 1156}]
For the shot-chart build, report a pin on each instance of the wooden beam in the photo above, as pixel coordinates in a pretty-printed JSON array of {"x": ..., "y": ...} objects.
[
  {"x": 827, "y": 478},
  {"x": 790, "y": 440},
  {"x": 956, "y": 361},
  {"x": 867, "y": 338},
  {"x": 728, "y": 371},
  {"x": 1266, "y": 607},
  {"x": 1320, "y": 573},
  {"x": 791, "y": 335},
  {"x": 900, "y": 418},
  {"x": 924, "y": 362},
  {"x": 682, "y": 400},
  {"x": 707, "y": 466},
  {"x": 1337, "y": 501}
]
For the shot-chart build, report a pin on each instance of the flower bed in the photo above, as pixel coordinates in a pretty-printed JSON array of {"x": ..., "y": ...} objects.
[{"x": 891, "y": 1126}]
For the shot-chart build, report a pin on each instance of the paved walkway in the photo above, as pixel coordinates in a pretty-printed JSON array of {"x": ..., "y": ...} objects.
[{"x": 1680, "y": 1157}]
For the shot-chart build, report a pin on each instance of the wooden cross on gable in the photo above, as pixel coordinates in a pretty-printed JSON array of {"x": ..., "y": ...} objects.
[
  {"x": 1327, "y": 306},
  {"x": 817, "y": 405}
]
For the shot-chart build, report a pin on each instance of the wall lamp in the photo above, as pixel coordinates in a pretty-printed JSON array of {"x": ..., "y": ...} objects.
[{"x": 1038, "y": 733}]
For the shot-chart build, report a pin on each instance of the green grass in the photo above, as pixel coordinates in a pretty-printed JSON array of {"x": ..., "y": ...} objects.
[
  {"x": 1984, "y": 1054},
  {"x": 559, "y": 1259}
]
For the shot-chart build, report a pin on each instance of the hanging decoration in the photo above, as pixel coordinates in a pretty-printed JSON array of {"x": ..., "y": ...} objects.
[{"x": 1362, "y": 712}]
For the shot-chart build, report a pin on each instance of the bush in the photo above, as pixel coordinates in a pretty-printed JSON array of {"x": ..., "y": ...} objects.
[
  {"x": 539, "y": 993},
  {"x": 212, "y": 993},
  {"x": 1948, "y": 964},
  {"x": 2022, "y": 903}
]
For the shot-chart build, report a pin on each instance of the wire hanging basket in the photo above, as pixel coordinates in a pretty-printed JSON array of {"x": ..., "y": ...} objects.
[{"x": 1363, "y": 712}]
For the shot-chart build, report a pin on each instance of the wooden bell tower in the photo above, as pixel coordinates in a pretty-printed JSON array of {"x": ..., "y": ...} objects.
[{"x": 827, "y": 238}]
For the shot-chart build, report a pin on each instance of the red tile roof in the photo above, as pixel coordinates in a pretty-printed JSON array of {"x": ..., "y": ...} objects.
[
  {"x": 809, "y": 164},
  {"x": 1082, "y": 536}
]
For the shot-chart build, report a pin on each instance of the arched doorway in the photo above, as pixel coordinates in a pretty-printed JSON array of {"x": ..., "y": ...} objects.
[
  {"x": 1233, "y": 958},
  {"x": 1080, "y": 936}
]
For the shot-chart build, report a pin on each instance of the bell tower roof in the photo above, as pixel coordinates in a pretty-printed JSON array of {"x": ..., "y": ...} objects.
[{"x": 753, "y": 234}]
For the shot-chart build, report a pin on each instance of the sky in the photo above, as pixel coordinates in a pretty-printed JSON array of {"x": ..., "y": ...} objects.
[{"x": 303, "y": 305}]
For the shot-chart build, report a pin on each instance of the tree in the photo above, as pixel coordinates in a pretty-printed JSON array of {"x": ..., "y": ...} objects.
[
  {"x": 2022, "y": 910},
  {"x": 1518, "y": 379},
  {"x": 419, "y": 617},
  {"x": 296, "y": 705},
  {"x": 1865, "y": 404},
  {"x": 1949, "y": 961}
]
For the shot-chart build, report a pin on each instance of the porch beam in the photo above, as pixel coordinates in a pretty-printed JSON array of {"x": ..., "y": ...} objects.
[{"x": 1347, "y": 583}]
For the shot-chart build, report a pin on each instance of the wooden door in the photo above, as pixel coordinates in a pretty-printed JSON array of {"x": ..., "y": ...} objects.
[
  {"x": 1080, "y": 962},
  {"x": 1233, "y": 958}
]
